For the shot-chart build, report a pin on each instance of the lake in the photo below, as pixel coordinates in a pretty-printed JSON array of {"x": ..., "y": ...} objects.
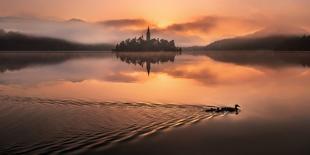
[{"x": 136, "y": 103}]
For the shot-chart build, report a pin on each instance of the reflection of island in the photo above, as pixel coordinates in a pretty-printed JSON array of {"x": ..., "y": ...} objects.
[
  {"x": 149, "y": 44},
  {"x": 147, "y": 58}
]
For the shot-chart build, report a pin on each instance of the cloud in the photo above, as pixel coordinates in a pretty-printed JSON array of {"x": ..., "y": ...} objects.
[
  {"x": 125, "y": 23},
  {"x": 206, "y": 29},
  {"x": 110, "y": 31},
  {"x": 198, "y": 31},
  {"x": 85, "y": 32},
  {"x": 202, "y": 25}
]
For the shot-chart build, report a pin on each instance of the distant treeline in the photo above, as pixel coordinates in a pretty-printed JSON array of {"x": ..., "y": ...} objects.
[
  {"x": 276, "y": 43},
  {"x": 12, "y": 41},
  {"x": 146, "y": 45}
]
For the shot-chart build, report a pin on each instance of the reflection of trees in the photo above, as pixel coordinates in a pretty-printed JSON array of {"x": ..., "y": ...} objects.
[
  {"x": 261, "y": 58},
  {"x": 146, "y": 58},
  {"x": 17, "y": 61}
]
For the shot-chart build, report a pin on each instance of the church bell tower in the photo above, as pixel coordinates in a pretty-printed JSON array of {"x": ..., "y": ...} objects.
[{"x": 148, "y": 34}]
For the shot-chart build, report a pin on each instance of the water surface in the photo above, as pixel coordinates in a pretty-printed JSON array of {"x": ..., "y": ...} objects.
[{"x": 76, "y": 102}]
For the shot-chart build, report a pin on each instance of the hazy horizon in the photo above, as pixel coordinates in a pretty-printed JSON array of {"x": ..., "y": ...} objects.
[{"x": 187, "y": 22}]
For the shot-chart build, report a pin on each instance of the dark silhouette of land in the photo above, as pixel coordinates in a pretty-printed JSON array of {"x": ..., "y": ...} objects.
[
  {"x": 275, "y": 43},
  {"x": 13, "y": 41},
  {"x": 146, "y": 58},
  {"x": 147, "y": 44},
  {"x": 274, "y": 38}
]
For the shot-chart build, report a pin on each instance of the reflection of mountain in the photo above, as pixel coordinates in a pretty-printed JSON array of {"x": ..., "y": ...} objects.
[
  {"x": 260, "y": 58},
  {"x": 17, "y": 61},
  {"x": 146, "y": 58}
]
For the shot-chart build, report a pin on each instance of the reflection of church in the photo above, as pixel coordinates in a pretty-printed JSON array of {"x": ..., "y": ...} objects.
[{"x": 146, "y": 58}]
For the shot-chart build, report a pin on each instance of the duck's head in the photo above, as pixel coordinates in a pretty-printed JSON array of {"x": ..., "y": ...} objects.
[{"x": 237, "y": 106}]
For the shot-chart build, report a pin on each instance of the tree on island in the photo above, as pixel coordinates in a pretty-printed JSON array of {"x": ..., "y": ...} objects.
[{"x": 149, "y": 44}]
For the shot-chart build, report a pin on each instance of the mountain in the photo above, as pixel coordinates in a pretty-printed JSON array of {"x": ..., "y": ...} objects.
[
  {"x": 75, "y": 29},
  {"x": 278, "y": 30},
  {"x": 75, "y": 20},
  {"x": 266, "y": 39},
  {"x": 277, "y": 43},
  {"x": 13, "y": 41}
]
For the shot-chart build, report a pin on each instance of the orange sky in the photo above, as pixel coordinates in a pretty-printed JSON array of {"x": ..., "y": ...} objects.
[
  {"x": 230, "y": 17},
  {"x": 162, "y": 12}
]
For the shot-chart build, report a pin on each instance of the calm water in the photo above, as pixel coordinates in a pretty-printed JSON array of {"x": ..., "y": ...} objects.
[{"x": 76, "y": 102}]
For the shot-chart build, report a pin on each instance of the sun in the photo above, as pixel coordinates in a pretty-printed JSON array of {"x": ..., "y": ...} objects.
[{"x": 164, "y": 23}]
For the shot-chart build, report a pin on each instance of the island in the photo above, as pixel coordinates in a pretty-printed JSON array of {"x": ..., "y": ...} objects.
[{"x": 147, "y": 44}]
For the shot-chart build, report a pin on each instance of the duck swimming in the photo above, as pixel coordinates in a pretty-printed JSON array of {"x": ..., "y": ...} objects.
[{"x": 224, "y": 109}]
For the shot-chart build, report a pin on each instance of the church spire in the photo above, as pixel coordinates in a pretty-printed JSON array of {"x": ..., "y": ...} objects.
[{"x": 148, "y": 34}]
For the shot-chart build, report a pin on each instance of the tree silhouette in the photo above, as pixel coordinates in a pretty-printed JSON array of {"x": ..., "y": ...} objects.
[{"x": 141, "y": 44}]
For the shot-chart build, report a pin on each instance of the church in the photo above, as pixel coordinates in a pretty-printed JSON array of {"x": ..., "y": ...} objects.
[
  {"x": 149, "y": 44},
  {"x": 148, "y": 34}
]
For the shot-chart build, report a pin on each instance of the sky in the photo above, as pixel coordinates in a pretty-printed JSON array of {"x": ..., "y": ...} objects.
[{"x": 187, "y": 21}]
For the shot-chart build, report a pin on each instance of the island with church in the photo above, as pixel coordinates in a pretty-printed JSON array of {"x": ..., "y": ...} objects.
[{"x": 147, "y": 44}]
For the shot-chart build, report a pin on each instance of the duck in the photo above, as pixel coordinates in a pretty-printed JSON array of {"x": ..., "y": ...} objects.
[
  {"x": 224, "y": 109},
  {"x": 230, "y": 109}
]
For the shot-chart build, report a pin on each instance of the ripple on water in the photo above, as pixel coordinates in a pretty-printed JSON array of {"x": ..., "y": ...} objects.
[{"x": 64, "y": 126}]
